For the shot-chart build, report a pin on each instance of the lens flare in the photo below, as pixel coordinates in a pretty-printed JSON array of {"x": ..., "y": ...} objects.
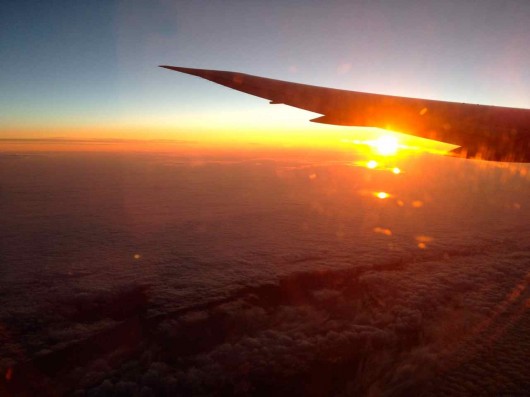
[
  {"x": 383, "y": 230},
  {"x": 382, "y": 195}
]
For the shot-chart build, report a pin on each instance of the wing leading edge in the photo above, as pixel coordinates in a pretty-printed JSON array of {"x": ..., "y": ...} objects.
[{"x": 487, "y": 132}]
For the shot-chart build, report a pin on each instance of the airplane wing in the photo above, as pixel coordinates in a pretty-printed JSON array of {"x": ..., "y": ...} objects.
[{"x": 486, "y": 132}]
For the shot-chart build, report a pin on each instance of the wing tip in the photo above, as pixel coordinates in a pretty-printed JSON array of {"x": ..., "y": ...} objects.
[
  {"x": 204, "y": 73},
  {"x": 177, "y": 68}
]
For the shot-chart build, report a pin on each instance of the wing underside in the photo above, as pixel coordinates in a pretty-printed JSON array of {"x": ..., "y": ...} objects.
[{"x": 486, "y": 132}]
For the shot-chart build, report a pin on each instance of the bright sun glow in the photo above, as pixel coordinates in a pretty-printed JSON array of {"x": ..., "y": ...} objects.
[
  {"x": 371, "y": 164},
  {"x": 391, "y": 144},
  {"x": 386, "y": 145},
  {"x": 382, "y": 195}
]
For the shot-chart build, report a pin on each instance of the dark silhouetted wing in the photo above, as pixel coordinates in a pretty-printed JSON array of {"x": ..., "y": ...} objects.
[{"x": 487, "y": 132}]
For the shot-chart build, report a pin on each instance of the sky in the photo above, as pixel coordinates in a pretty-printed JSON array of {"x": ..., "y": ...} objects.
[
  {"x": 279, "y": 275},
  {"x": 89, "y": 69}
]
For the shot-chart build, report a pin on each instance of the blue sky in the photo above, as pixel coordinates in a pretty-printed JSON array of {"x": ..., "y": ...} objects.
[{"x": 94, "y": 64}]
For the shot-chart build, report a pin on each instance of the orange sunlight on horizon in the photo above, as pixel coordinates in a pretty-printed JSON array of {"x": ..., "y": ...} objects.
[{"x": 376, "y": 145}]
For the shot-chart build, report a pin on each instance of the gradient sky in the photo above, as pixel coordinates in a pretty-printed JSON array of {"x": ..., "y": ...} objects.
[{"x": 89, "y": 69}]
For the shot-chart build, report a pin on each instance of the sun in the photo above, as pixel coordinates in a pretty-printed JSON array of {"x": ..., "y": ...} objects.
[
  {"x": 386, "y": 145},
  {"x": 371, "y": 164}
]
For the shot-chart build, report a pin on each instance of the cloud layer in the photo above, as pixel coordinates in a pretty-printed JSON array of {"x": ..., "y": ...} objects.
[{"x": 162, "y": 275}]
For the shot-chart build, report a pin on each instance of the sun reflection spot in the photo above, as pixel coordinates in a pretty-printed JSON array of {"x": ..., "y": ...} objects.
[
  {"x": 382, "y": 195},
  {"x": 371, "y": 164},
  {"x": 400, "y": 203},
  {"x": 382, "y": 230},
  {"x": 396, "y": 170},
  {"x": 417, "y": 203},
  {"x": 422, "y": 246},
  {"x": 137, "y": 256},
  {"x": 313, "y": 176},
  {"x": 386, "y": 145},
  {"x": 422, "y": 239}
]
